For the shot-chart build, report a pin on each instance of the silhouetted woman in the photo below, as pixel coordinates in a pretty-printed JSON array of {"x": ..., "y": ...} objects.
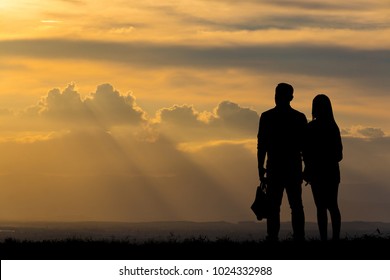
[{"x": 323, "y": 150}]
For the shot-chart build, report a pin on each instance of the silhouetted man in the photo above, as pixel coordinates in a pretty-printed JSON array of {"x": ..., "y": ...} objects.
[{"x": 280, "y": 140}]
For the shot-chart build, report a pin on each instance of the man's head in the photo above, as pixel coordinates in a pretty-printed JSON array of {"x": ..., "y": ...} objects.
[{"x": 283, "y": 94}]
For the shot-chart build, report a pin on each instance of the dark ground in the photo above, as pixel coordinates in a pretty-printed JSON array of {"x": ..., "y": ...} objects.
[
  {"x": 200, "y": 248},
  {"x": 186, "y": 240}
]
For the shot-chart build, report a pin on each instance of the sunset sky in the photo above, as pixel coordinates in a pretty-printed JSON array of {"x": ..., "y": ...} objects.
[{"x": 148, "y": 110}]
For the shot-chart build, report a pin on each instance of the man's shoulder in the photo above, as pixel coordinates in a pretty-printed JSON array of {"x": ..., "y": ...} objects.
[
  {"x": 298, "y": 113},
  {"x": 268, "y": 115},
  {"x": 268, "y": 112},
  {"x": 292, "y": 111}
]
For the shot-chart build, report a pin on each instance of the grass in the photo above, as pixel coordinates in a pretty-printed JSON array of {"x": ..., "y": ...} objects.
[{"x": 366, "y": 247}]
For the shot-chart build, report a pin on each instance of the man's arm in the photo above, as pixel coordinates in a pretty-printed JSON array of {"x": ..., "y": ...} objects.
[
  {"x": 261, "y": 148},
  {"x": 302, "y": 132}
]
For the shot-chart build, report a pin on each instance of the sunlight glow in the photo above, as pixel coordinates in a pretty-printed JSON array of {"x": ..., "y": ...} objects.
[
  {"x": 163, "y": 121},
  {"x": 4, "y": 4},
  {"x": 50, "y": 21}
]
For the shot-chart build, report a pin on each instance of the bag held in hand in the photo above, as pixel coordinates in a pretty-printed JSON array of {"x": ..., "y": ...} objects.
[{"x": 260, "y": 205}]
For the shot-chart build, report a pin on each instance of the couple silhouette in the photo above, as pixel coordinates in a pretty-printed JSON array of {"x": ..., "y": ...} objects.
[{"x": 285, "y": 142}]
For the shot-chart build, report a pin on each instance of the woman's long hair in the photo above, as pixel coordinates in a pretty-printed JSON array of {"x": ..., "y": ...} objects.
[{"x": 322, "y": 109}]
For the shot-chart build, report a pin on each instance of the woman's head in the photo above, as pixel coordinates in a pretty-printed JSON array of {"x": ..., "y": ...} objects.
[{"x": 322, "y": 108}]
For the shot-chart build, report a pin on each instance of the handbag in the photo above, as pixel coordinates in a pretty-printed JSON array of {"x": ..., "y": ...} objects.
[{"x": 260, "y": 204}]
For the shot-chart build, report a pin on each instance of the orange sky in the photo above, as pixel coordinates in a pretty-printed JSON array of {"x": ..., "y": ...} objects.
[{"x": 143, "y": 111}]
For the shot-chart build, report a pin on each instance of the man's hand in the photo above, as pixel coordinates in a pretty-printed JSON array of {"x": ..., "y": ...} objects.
[
  {"x": 307, "y": 175},
  {"x": 262, "y": 174}
]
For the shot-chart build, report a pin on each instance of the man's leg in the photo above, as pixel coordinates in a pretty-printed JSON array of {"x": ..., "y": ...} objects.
[
  {"x": 275, "y": 195},
  {"x": 294, "y": 195}
]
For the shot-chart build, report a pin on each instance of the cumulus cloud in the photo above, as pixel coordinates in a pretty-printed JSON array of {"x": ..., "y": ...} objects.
[
  {"x": 65, "y": 104},
  {"x": 112, "y": 107},
  {"x": 233, "y": 115},
  {"x": 229, "y": 124},
  {"x": 371, "y": 132},
  {"x": 363, "y": 132},
  {"x": 105, "y": 106},
  {"x": 179, "y": 115},
  {"x": 228, "y": 119}
]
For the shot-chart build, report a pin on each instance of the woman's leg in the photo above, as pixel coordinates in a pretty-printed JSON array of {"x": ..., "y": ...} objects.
[
  {"x": 334, "y": 210},
  {"x": 322, "y": 215}
]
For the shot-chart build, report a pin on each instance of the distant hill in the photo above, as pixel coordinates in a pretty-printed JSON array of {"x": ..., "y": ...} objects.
[{"x": 169, "y": 230}]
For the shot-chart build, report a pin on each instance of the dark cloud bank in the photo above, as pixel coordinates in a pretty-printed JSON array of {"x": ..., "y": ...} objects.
[{"x": 330, "y": 61}]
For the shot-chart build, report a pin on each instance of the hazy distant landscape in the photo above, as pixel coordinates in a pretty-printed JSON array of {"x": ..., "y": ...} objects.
[
  {"x": 183, "y": 239},
  {"x": 141, "y": 232}
]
